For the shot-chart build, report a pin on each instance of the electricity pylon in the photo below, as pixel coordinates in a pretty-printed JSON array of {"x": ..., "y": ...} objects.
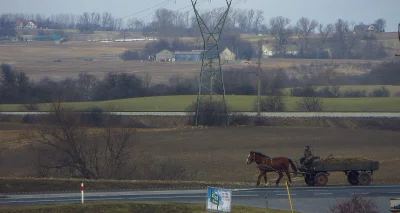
[
  {"x": 211, "y": 82},
  {"x": 398, "y": 33}
]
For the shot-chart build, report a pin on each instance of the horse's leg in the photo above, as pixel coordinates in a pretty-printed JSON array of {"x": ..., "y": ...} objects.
[
  {"x": 288, "y": 175},
  {"x": 265, "y": 178},
  {"x": 279, "y": 178},
  {"x": 259, "y": 177}
]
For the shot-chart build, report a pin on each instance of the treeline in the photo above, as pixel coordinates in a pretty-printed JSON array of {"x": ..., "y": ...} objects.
[
  {"x": 17, "y": 88},
  {"x": 306, "y": 37}
]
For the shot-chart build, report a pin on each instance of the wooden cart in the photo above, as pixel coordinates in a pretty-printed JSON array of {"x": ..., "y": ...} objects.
[{"x": 358, "y": 173}]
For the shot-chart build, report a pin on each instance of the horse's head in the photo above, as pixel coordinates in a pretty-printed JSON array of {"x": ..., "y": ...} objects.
[
  {"x": 251, "y": 158},
  {"x": 255, "y": 157}
]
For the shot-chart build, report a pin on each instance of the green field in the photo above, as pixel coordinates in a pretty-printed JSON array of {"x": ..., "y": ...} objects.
[
  {"x": 131, "y": 207},
  {"x": 237, "y": 103}
]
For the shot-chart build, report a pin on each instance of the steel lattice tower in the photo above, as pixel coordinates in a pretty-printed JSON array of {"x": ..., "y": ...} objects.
[{"x": 211, "y": 82}]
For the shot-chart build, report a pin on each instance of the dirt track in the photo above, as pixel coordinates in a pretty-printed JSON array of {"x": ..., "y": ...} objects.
[{"x": 220, "y": 153}]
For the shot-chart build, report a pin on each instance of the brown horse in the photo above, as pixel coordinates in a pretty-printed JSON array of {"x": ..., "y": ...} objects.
[{"x": 267, "y": 164}]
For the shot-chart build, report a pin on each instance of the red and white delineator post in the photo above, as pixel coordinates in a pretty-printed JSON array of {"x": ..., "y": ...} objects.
[{"x": 82, "y": 191}]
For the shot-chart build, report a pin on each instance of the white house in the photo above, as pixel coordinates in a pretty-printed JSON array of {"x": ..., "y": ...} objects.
[
  {"x": 25, "y": 24},
  {"x": 267, "y": 51}
]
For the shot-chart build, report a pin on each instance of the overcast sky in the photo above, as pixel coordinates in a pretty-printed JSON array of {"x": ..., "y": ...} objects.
[{"x": 324, "y": 11}]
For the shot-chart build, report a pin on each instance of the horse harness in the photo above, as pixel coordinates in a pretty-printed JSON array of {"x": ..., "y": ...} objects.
[{"x": 265, "y": 162}]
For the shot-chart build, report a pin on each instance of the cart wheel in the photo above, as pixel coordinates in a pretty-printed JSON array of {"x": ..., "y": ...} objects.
[
  {"x": 321, "y": 179},
  {"x": 364, "y": 178},
  {"x": 309, "y": 180},
  {"x": 352, "y": 177}
]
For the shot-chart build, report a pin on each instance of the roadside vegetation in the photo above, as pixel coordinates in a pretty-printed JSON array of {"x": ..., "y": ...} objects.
[
  {"x": 15, "y": 185},
  {"x": 129, "y": 207}
]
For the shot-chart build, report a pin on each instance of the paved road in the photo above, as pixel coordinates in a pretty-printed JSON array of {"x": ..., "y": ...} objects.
[
  {"x": 264, "y": 114},
  {"x": 305, "y": 199}
]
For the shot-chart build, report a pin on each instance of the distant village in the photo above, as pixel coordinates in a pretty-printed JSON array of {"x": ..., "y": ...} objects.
[{"x": 30, "y": 28}]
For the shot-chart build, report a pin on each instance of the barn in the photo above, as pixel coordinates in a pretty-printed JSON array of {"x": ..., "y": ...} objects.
[{"x": 164, "y": 55}]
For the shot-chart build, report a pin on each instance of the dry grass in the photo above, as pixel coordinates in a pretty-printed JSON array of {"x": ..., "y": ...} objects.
[
  {"x": 36, "y": 59},
  {"x": 220, "y": 153},
  {"x": 131, "y": 207}
]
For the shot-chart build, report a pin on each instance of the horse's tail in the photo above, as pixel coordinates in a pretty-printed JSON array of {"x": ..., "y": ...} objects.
[{"x": 293, "y": 166}]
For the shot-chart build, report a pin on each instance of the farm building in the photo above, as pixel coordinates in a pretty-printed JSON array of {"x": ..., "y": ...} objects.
[
  {"x": 267, "y": 51},
  {"x": 164, "y": 55},
  {"x": 227, "y": 55},
  {"x": 188, "y": 56}
]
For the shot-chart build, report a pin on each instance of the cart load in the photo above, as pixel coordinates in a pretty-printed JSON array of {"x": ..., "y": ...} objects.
[{"x": 357, "y": 170}]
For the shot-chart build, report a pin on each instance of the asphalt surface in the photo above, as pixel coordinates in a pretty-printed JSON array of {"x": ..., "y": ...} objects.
[
  {"x": 263, "y": 114},
  {"x": 304, "y": 199}
]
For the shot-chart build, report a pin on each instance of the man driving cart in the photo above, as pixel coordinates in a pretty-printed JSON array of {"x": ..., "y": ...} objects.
[{"x": 306, "y": 161}]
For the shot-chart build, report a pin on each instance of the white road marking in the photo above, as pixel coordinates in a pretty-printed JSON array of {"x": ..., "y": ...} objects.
[
  {"x": 317, "y": 190},
  {"x": 286, "y": 194},
  {"x": 327, "y": 193}
]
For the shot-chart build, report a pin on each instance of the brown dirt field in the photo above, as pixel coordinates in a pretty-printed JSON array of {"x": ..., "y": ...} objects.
[
  {"x": 220, "y": 153},
  {"x": 36, "y": 60}
]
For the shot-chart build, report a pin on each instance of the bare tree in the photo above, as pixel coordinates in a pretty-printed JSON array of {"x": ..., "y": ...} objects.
[
  {"x": 107, "y": 21},
  {"x": 250, "y": 17},
  {"x": 310, "y": 104},
  {"x": 64, "y": 144},
  {"x": 380, "y": 24},
  {"x": 87, "y": 84},
  {"x": 280, "y": 30},
  {"x": 324, "y": 33},
  {"x": 348, "y": 39},
  {"x": 258, "y": 20},
  {"x": 305, "y": 28}
]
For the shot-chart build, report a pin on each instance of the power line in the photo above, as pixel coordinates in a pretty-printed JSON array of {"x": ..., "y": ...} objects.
[{"x": 165, "y": 2}]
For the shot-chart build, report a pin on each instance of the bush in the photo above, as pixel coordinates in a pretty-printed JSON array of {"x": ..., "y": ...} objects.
[
  {"x": 211, "y": 113},
  {"x": 355, "y": 204},
  {"x": 306, "y": 91},
  {"x": 270, "y": 104},
  {"x": 239, "y": 119},
  {"x": 329, "y": 92},
  {"x": 94, "y": 116},
  {"x": 381, "y": 92},
  {"x": 30, "y": 119},
  {"x": 354, "y": 93},
  {"x": 310, "y": 104}
]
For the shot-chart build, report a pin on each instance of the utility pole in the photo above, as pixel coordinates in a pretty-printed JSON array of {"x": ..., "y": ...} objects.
[
  {"x": 211, "y": 80},
  {"x": 398, "y": 33},
  {"x": 259, "y": 55}
]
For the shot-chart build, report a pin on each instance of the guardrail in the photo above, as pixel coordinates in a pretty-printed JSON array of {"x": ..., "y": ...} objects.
[{"x": 252, "y": 114}]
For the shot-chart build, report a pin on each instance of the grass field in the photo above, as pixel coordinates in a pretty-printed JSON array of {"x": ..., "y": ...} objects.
[
  {"x": 237, "y": 103},
  {"x": 36, "y": 60},
  {"x": 219, "y": 154},
  {"x": 129, "y": 207}
]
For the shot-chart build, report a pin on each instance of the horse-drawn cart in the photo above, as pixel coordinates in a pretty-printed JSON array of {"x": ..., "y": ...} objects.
[{"x": 357, "y": 172}]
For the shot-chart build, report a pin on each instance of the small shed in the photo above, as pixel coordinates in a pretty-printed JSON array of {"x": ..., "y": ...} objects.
[
  {"x": 164, "y": 55},
  {"x": 228, "y": 55}
]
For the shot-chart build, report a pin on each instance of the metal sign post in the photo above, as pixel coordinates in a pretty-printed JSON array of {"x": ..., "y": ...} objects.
[
  {"x": 290, "y": 200},
  {"x": 82, "y": 189}
]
